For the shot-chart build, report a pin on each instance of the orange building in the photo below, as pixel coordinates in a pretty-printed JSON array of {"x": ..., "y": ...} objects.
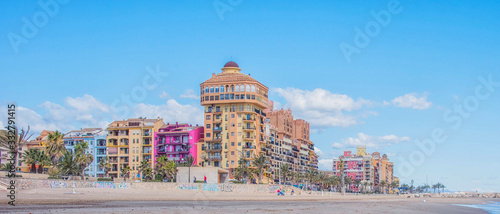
[{"x": 234, "y": 118}]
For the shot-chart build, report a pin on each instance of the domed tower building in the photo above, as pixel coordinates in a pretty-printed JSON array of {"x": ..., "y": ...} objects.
[{"x": 234, "y": 118}]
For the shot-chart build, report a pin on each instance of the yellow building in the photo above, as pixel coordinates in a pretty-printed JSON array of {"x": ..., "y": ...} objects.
[
  {"x": 129, "y": 142},
  {"x": 234, "y": 118}
]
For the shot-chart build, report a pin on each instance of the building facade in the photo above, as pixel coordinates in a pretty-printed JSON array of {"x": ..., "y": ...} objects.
[
  {"x": 177, "y": 142},
  {"x": 129, "y": 142},
  {"x": 234, "y": 119},
  {"x": 96, "y": 142},
  {"x": 370, "y": 168}
]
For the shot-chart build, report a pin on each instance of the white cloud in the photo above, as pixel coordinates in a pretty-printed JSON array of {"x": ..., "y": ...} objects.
[
  {"x": 320, "y": 107},
  {"x": 171, "y": 112},
  {"x": 370, "y": 141},
  {"x": 318, "y": 151},
  {"x": 164, "y": 95},
  {"x": 325, "y": 164},
  {"x": 88, "y": 112},
  {"x": 189, "y": 93},
  {"x": 337, "y": 146},
  {"x": 413, "y": 100}
]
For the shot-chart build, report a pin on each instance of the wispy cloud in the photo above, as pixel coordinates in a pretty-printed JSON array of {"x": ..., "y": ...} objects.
[
  {"x": 413, "y": 100},
  {"x": 370, "y": 141},
  {"x": 189, "y": 93}
]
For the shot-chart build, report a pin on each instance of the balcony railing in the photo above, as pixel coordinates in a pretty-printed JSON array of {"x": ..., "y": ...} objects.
[{"x": 217, "y": 129}]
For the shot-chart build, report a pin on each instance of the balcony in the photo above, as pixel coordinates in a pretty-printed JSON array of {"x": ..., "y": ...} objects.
[
  {"x": 248, "y": 119},
  {"x": 218, "y": 120},
  {"x": 248, "y": 128},
  {"x": 213, "y": 149},
  {"x": 215, "y": 158},
  {"x": 125, "y": 144},
  {"x": 219, "y": 111},
  {"x": 146, "y": 134},
  {"x": 219, "y": 139},
  {"x": 248, "y": 138},
  {"x": 248, "y": 147},
  {"x": 217, "y": 129}
]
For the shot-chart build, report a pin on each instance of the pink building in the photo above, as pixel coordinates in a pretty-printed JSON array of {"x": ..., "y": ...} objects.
[{"x": 177, "y": 141}]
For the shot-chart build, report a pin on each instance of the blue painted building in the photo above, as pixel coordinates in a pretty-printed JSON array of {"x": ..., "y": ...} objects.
[{"x": 96, "y": 141}]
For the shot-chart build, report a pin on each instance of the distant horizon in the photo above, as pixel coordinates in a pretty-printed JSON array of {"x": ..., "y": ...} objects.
[{"x": 418, "y": 82}]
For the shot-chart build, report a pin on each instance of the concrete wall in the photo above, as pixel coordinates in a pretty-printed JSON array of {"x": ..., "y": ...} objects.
[{"x": 212, "y": 174}]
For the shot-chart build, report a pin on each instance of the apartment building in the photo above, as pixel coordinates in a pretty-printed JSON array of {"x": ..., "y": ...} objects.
[
  {"x": 234, "y": 118},
  {"x": 178, "y": 141},
  {"x": 96, "y": 142},
  {"x": 129, "y": 142}
]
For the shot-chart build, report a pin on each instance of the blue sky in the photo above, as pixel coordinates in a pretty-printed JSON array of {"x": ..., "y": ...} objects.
[{"x": 85, "y": 57}]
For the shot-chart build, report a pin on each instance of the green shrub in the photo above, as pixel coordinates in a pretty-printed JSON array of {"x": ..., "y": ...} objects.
[
  {"x": 104, "y": 179},
  {"x": 54, "y": 177},
  {"x": 54, "y": 172},
  {"x": 238, "y": 182}
]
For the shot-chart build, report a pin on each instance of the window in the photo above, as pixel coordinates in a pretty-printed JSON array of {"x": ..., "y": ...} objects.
[
  {"x": 232, "y": 152},
  {"x": 248, "y": 96},
  {"x": 242, "y": 88},
  {"x": 232, "y": 88},
  {"x": 206, "y": 90},
  {"x": 208, "y": 126},
  {"x": 211, "y": 89},
  {"x": 253, "y": 97},
  {"x": 253, "y": 88},
  {"x": 221, "y": 89},
  {"x": 239, "y": 124},
  {"x": 232, "y": 96},
  {"x": 232, "y": 115},
  {"x": 208, "y": 117},
  {"x": 248, "y": 88},
  {"x": 232, "y": 162},
  {"x": 232, "y": 124},
  {"x": 216, "y": 89},
  {"x": 237, "y": 88},
  {"x": 232, "y": 144},
  {"x": 241, "y": 107},
  {"x": 239, "y": 143},
  {"x": 222, "y": 97},
  {"x": 232, "y": 133},
  {"x": 249, "y": 108},
  {"x": 237, "y": 97},
  {"x": 212, "y": 97},
  {"x": 226, "y": 97},
  {"x": 208, "y": 134}
]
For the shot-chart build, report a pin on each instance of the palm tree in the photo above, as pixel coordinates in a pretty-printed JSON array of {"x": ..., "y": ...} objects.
[
  {"x": 426, "y": 187},
  {"x": 382, "y": 185},
  {"x": 55, "y": 147},
  {"x": 441, "y": 186},
  {"x": 342, "y": 177},
  {"x": 285, "y": 171},
  {"x": 125, "y": 172},
  {"x": 242, "y": 170},
  {"x": 357, "y": 182},
  {"x": 14, "y": 143},
  {"x": 68, "y": 165},
  {"x": 148, "y": 174},
  {"x": 105, "y": 166},
  {"x": 82, "y": 158},
  {"x": 435, "y": 186},
  {"x": 189, "y": 162},
  {"x": 32, "y": 157},
  {"x": 142, "y": 166},
  {"x": 259, "y": 162},
  {"x": 166, "y": 168}
]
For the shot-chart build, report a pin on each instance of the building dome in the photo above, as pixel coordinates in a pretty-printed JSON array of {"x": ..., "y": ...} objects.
[{"x": 231, "y": 64}]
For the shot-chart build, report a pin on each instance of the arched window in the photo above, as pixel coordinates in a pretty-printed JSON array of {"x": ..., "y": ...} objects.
[
  {"x": 248, "y": 88},
  {"x": 242, "y": 88},
  {"x": 237, "y": 88},
  {"x": 216, "y": 89},
  {"x": 232, "y": 88},
  {"x": 211, "y": 89},
  {"x": 206, "y": 89},
  {"x": 253, "y": 88},
  {"x": 221, "y": 89},
  {"x": 227, "y": 88},
  {"x": 257, "y": 90}
]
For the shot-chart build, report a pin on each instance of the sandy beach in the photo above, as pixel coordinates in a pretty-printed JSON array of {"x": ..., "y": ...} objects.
[{"x": 89, "y": 200}]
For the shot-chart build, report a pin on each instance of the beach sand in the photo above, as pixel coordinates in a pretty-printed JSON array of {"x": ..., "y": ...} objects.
[{"x": 192, "y": 201}]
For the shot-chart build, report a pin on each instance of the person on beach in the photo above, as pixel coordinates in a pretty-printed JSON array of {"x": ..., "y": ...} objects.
[
  {"x": 205, "y": 178},
  {"x": 194, "y": 179}
]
